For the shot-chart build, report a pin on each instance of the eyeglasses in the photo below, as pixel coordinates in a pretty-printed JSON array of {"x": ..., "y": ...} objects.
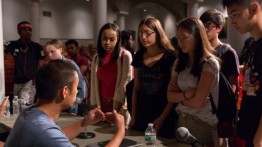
[
  {"x": 209, "y": 26},
  {"x": 182, "y": 39},
  {"x": 146, "y": 34}
]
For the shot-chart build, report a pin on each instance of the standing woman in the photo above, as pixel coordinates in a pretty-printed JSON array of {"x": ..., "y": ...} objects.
[
  {"x": 54, "y": 50},
  {"x": 194, "y": 77},
  {"x": 110, "y": 71},
  {"x": 152, "y": 71}
]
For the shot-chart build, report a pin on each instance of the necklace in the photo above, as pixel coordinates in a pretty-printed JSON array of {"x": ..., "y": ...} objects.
[{"x": 24, "y": 50}]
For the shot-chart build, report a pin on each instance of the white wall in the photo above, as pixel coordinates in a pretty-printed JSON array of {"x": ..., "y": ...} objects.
[
  {"x": 73, "y": 19},
  {"x": 167, "y": 19},
  {"x": 111, "y": 16},
  {"x": 70, "y": 19},
  {"x": 13, "y": 11},
  {"x": 2, "y": 79}
]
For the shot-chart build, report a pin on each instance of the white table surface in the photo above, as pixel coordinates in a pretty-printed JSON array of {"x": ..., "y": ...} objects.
[{"x": 102, "y": 130}]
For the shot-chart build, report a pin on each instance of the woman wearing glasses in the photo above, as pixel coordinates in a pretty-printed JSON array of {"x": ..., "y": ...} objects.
[
  {"x": 194, "y": 77},
  {"x": 152, "y": 70}
]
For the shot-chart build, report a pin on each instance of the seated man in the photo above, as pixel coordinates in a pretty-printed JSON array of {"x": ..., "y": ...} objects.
[{"x": 56, "y": 88}]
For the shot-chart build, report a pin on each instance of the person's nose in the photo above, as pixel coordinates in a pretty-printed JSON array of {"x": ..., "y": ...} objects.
[
  {"x": 49, "y": 55},
  {"x": 107, "y": 41}
]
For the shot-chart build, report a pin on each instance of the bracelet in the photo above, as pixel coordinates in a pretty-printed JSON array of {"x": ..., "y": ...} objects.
[{"x": 187, "y": 98}]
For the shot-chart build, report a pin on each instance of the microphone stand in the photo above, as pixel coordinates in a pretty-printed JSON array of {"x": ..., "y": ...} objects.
[{"x": 86, "y": 135}]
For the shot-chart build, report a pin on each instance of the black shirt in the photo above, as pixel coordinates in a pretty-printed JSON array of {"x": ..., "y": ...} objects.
[
  {"x": 26, "y": 60},
  {"x": 152, "y": 92},
  {"x": 230, "y": 62},
  {"x": 251, "y": 106}
]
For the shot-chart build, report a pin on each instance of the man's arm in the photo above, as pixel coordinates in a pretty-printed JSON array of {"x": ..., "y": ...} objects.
[
  {"x": 83, "y": 69},
  {"x": 119, "y": 122},
  {"x": 233, "y": 80},
  {"x": 257, "y": 141},
  {"x": 232, "y": 67},
  {"x": 3, "y": 106}
]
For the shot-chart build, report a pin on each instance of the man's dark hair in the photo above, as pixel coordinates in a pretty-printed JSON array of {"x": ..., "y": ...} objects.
[
  {"x": 214, "y": 16},
  {"x": 23, "y": 22},
  {"x": 227, "y": 3},
  {"x": 52, "y": 77},
  {"x": 125, "y": 35},
  {"x": 71, "y": 41}
]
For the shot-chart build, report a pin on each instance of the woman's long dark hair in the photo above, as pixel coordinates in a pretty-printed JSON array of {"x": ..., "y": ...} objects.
[
  {"x": 161, "y": 38},
  {"x": 203, "y": 49},
  {"x": 100, "y": 50}
]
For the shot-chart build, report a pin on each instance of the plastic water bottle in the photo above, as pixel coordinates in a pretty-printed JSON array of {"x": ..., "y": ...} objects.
[
  {"x": 150, "y": 136},
  {"x": 7, "y": 109},
  {"x": 15, "y": 106},
  {"x": 22, "y": 104}
]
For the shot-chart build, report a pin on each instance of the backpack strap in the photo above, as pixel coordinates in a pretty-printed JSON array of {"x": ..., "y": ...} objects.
[{"x": 213, "y": 106}]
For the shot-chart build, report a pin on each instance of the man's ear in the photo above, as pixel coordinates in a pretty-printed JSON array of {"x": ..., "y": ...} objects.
[
  {"x": 219, "y": 28},
  {"x": 253, "y": 8},
  {"x": 64, "y": 92}
]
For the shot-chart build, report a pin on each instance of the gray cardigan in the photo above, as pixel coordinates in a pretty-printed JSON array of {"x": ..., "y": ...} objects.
[{"x": 124, "y": 75}]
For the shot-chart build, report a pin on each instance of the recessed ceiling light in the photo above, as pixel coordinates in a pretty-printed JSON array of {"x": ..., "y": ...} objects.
[{"x": 145, "y": 10}]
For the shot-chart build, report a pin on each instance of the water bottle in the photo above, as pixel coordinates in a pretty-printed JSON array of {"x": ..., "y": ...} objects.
[
  {"x": 22, "y": 103},
  {"x": 150, "y": 136},
  {"x": 7, "y": 109},
  {"x": 15, "y": 106}
]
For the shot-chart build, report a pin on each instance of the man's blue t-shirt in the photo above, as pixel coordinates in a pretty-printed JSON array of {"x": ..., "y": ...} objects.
[{"x": 33, "y": 128}]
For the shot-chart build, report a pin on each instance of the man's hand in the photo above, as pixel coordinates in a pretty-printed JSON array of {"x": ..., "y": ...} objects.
[
  {"x": 118, "y": 120},
  {"x": 115, "y": 118},
  {"x": 117, "y": 106},
  {"x": 93, "y": 116},
  {"x": 3, "y": 106},
  {"x": 158, "y": 124}
]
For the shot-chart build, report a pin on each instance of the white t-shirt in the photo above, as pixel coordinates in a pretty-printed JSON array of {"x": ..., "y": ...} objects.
[{"x": 186, "y": 81}]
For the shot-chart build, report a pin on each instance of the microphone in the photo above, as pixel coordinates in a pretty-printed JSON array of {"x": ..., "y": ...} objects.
[{"x": 182, "y": 134}]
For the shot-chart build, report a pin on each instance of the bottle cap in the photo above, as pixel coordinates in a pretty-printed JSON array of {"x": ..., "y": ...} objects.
[
  {"x": 16, "y": 97},
  {"x": 150, "y": 124}
]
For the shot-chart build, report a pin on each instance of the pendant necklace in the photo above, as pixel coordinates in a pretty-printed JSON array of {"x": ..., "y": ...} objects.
[{"x": 24, "y": 50}]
